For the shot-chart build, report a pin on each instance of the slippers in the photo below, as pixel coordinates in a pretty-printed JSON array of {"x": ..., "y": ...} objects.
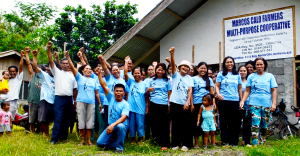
[
  {"x": 196, "y": 147},
  {"x": 82, "y": 143}
]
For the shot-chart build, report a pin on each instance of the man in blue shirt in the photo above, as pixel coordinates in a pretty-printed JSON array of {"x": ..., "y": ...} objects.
[{"x": 114, "y": 135}]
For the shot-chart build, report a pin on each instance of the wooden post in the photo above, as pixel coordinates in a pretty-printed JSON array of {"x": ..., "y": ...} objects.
[
  {"x": 193, "y": 54},
  {"x": 295, "y": 84},
  {"x": 220, "y": 56},
  {"x": 65, "y": 43}
]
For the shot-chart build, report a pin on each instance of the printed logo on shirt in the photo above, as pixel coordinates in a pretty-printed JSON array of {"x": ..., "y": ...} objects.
[
  {"x": 52, "y": 85},
  {"x": 38, "y": 84},
  {"x": 134, "y": 88},
  {"x": 181, "y": 86}
]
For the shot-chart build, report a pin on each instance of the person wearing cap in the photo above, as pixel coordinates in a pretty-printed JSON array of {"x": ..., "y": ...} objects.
[
  {"x": 180, "y": 107},
  {"x": 229, "y": 92},
  {"x": 114, "y": 135}
]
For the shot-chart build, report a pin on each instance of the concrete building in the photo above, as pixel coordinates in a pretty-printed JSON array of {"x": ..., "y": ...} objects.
[{"x": 186, "y": 23}]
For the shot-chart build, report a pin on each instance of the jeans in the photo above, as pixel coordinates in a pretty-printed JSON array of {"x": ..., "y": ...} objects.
[
  {"x": 136, "y": 124},
  {"x": 115, "y": 139},
  {"x": 63, "y": 107}
]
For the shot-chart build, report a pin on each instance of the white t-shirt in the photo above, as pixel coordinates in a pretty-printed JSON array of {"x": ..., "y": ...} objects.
[
  {"x": 64, "y": 82},
  {"x": 14, "y": 87}
]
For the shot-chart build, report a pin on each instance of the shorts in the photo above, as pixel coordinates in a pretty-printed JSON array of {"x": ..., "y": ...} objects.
[
  {"x": 45, "y": 112},
  {"x": 208, "y": 125},
  {"x": 14, "y": 105},
  {"x": 5, "y": 128},
  {"x": 33, "y": 112},
  {"x": 86, "y": 115}
]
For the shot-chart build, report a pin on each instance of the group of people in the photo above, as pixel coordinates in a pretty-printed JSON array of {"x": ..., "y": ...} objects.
[{"x": 182, "y": 99}]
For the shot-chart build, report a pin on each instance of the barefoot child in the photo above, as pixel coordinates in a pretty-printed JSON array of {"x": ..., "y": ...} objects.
[
  {"x": 209, "y": 121},
  {"x": 4, "y": 84},
  {"x": 5, "y": 119}
]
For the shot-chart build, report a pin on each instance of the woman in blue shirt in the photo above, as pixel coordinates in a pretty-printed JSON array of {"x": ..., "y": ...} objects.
[
  {"x": 244, "y": 72},
  {"x": 159, "y": 89},
  {"x": 180, "y": 107},
  {"x": 229, "y": 92},
  {"x": 262, "y": 92},
  {"x": 202, "y": 85},
  {"x": 87, "y": 91},
  {"x": 137, "y": 102}
]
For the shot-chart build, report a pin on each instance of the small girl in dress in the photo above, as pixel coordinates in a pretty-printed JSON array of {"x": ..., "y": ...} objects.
[
  {"x": 5, "y": 119},
  {"x": 209, "y": 123},
  {"x": 4, "y": 84}
]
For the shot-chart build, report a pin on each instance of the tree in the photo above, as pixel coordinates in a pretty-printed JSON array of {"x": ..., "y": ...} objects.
[
  {"x": 95, "y": 30},
  {"x": 29, "y": 28}
]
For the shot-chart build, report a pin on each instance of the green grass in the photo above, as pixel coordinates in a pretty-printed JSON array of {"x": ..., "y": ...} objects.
[{"x": 21, "y": 143}]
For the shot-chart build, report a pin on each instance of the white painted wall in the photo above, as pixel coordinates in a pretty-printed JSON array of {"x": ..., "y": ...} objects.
[{"x": 204, "y": 28}]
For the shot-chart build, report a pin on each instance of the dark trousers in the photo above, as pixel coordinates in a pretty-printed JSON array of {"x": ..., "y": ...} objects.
[
  {"x": 160, "y": 124},
  {"x": 181, "y": 126},
  {"x": 246, "y": 126},
  {"x": 106, "y": 115},
  {"x": 197, "y": 130},
  {"x": 230, "y": 122},
  {"x": 148, "y": 126},
  {"x": 63, "y": 107}
]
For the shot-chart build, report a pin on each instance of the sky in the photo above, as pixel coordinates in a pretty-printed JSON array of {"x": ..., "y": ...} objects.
[{"x": 144, "y": 6}]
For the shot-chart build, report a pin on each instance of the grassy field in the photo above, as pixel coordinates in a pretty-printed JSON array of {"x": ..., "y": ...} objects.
[{"x": 21, "y": 143}]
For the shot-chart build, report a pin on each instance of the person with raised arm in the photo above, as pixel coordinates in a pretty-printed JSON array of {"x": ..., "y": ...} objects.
[
  {"x": 14, "y": 83},
  {"x": 113, "y": 78},
  {"x": 180, "y": 106},
  {"x": 87, "y": 91},
  {"x": 137, "y": 102},
  {"x": 47, "y": 95},
  {"x": 130, "y": 66},
  {"x": 261, "y": 88},
  {"x": 229, "y": 92},
  {"x": 114, "y": 135},
  {"x": 33, "y": 99},
  {"x": 65, "y": 86}
]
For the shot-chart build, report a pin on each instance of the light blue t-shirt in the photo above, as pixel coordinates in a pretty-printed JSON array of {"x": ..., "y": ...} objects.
[
  {"x": 136, "y": 96},
  {"x": 116, "y": 109},
  {"x": 247, "y": 101},
  {"x": 160, "y": 93},
  {"x": 100, "y": 90},
  {"x": 86, "y": 89},
  {"x": 180, "y": 88},
  {"x": 260, "y": 94},
  {"x": 111, "y": 81},
  {"x": 229, "y": 86},
  {"x": 129, "y": 75},
  {"x": 48, "y": 87},
  {"x": 199, "y": 89}
]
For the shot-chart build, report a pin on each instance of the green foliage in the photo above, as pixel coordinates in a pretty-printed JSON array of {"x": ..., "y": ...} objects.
[
  {"x": 28, "y": 28},
  {"x": 95, "y": 30}
]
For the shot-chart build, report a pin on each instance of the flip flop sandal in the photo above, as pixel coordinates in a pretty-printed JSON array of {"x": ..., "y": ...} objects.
[
  {"x": 82, "y": 143},
  {"x": 196, "y": 147}
]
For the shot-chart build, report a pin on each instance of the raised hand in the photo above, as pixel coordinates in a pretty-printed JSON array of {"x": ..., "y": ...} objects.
[
  {"x": 79, "y": 54},
  {"x": 154, "y": 63},
  {"x": 27, "y": 50},
  {"x": 55, "y": 54},
  {"x": 22, "y": 53},
  {"x": 127, "y": 58},
  {"x": 172, "y": 50},
  {"x": 168, "y": 59},
  {"x": 66, "y": 54},
  {"x": 100, "y": 57},
  {"x": 35, "y": 52},
  {"x": 81, "y": 49},
  {"x": 49, "y": 45}
]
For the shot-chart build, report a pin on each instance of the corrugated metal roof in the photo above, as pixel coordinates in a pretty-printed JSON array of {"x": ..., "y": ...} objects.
[{"x": 155, "y": 30}]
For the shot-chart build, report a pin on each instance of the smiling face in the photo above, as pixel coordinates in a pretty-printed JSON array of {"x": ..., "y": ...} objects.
[
  {"x": 210, "y": 73},
  {"x": 191, "y": 72},
  {"x": 137, "y": 74},
  {"x": 87, "y": 71},
  {"x": 170, "y": 70},
  {"x": 250, "y": 68},
  {"x": 143, "y": 77},
  {"x": 12, "y": 72},
  {"x": 202, "y": 70},
  {"x": 130, "y": 64},
  {"x": 260, "y": 66},
  {"x": 229, "y": 64},
  {"x": 160, "y": 72},
  {"x": 184, "y": 69},
  {"x": 115, "y": 71},
  {"x": 150, "y": 71},
  {"x": 243, "y": 72},
  {"x": 6, "y": 75}
]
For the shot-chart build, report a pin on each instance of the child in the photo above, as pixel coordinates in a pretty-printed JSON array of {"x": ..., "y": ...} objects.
[
  {"x": 4, "y": 84},
  {"x": 5, "y": 119},
  {"x": 209, "y": 121}
]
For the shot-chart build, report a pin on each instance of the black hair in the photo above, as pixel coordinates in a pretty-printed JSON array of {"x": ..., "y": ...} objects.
[
  {"x": 82, "y": 67},
  {"x": 120, "y": 65},
  {"x": 224, "y": 69},
  {"x": 211, "y": 70},
  {"x": 140, "y": 69},
  {"x": 209, "y": 97},
  {"x": 119, "y": 85},
  {"x": 3, "y": 104},
  {"x": 113, "y": 66},
  {"x": 4, "y": 72},
  {"x": 63, "y": 59},
  {"x": 169, "y": 67},
  {"x": 265, "y": 63},
  {"x": 164, "y": 77},
  {"x": 246, "y": 70},
  {"x": 250, "y": 62},
  {"x": 195, "y": 70},
  {"x": 148, "y": 68},
  {"x": 42, "y": 67},
  {"x": 56, "y": 64},
  {"x": 13, "y": 67},
  {"x": 205, "y": 77}
]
